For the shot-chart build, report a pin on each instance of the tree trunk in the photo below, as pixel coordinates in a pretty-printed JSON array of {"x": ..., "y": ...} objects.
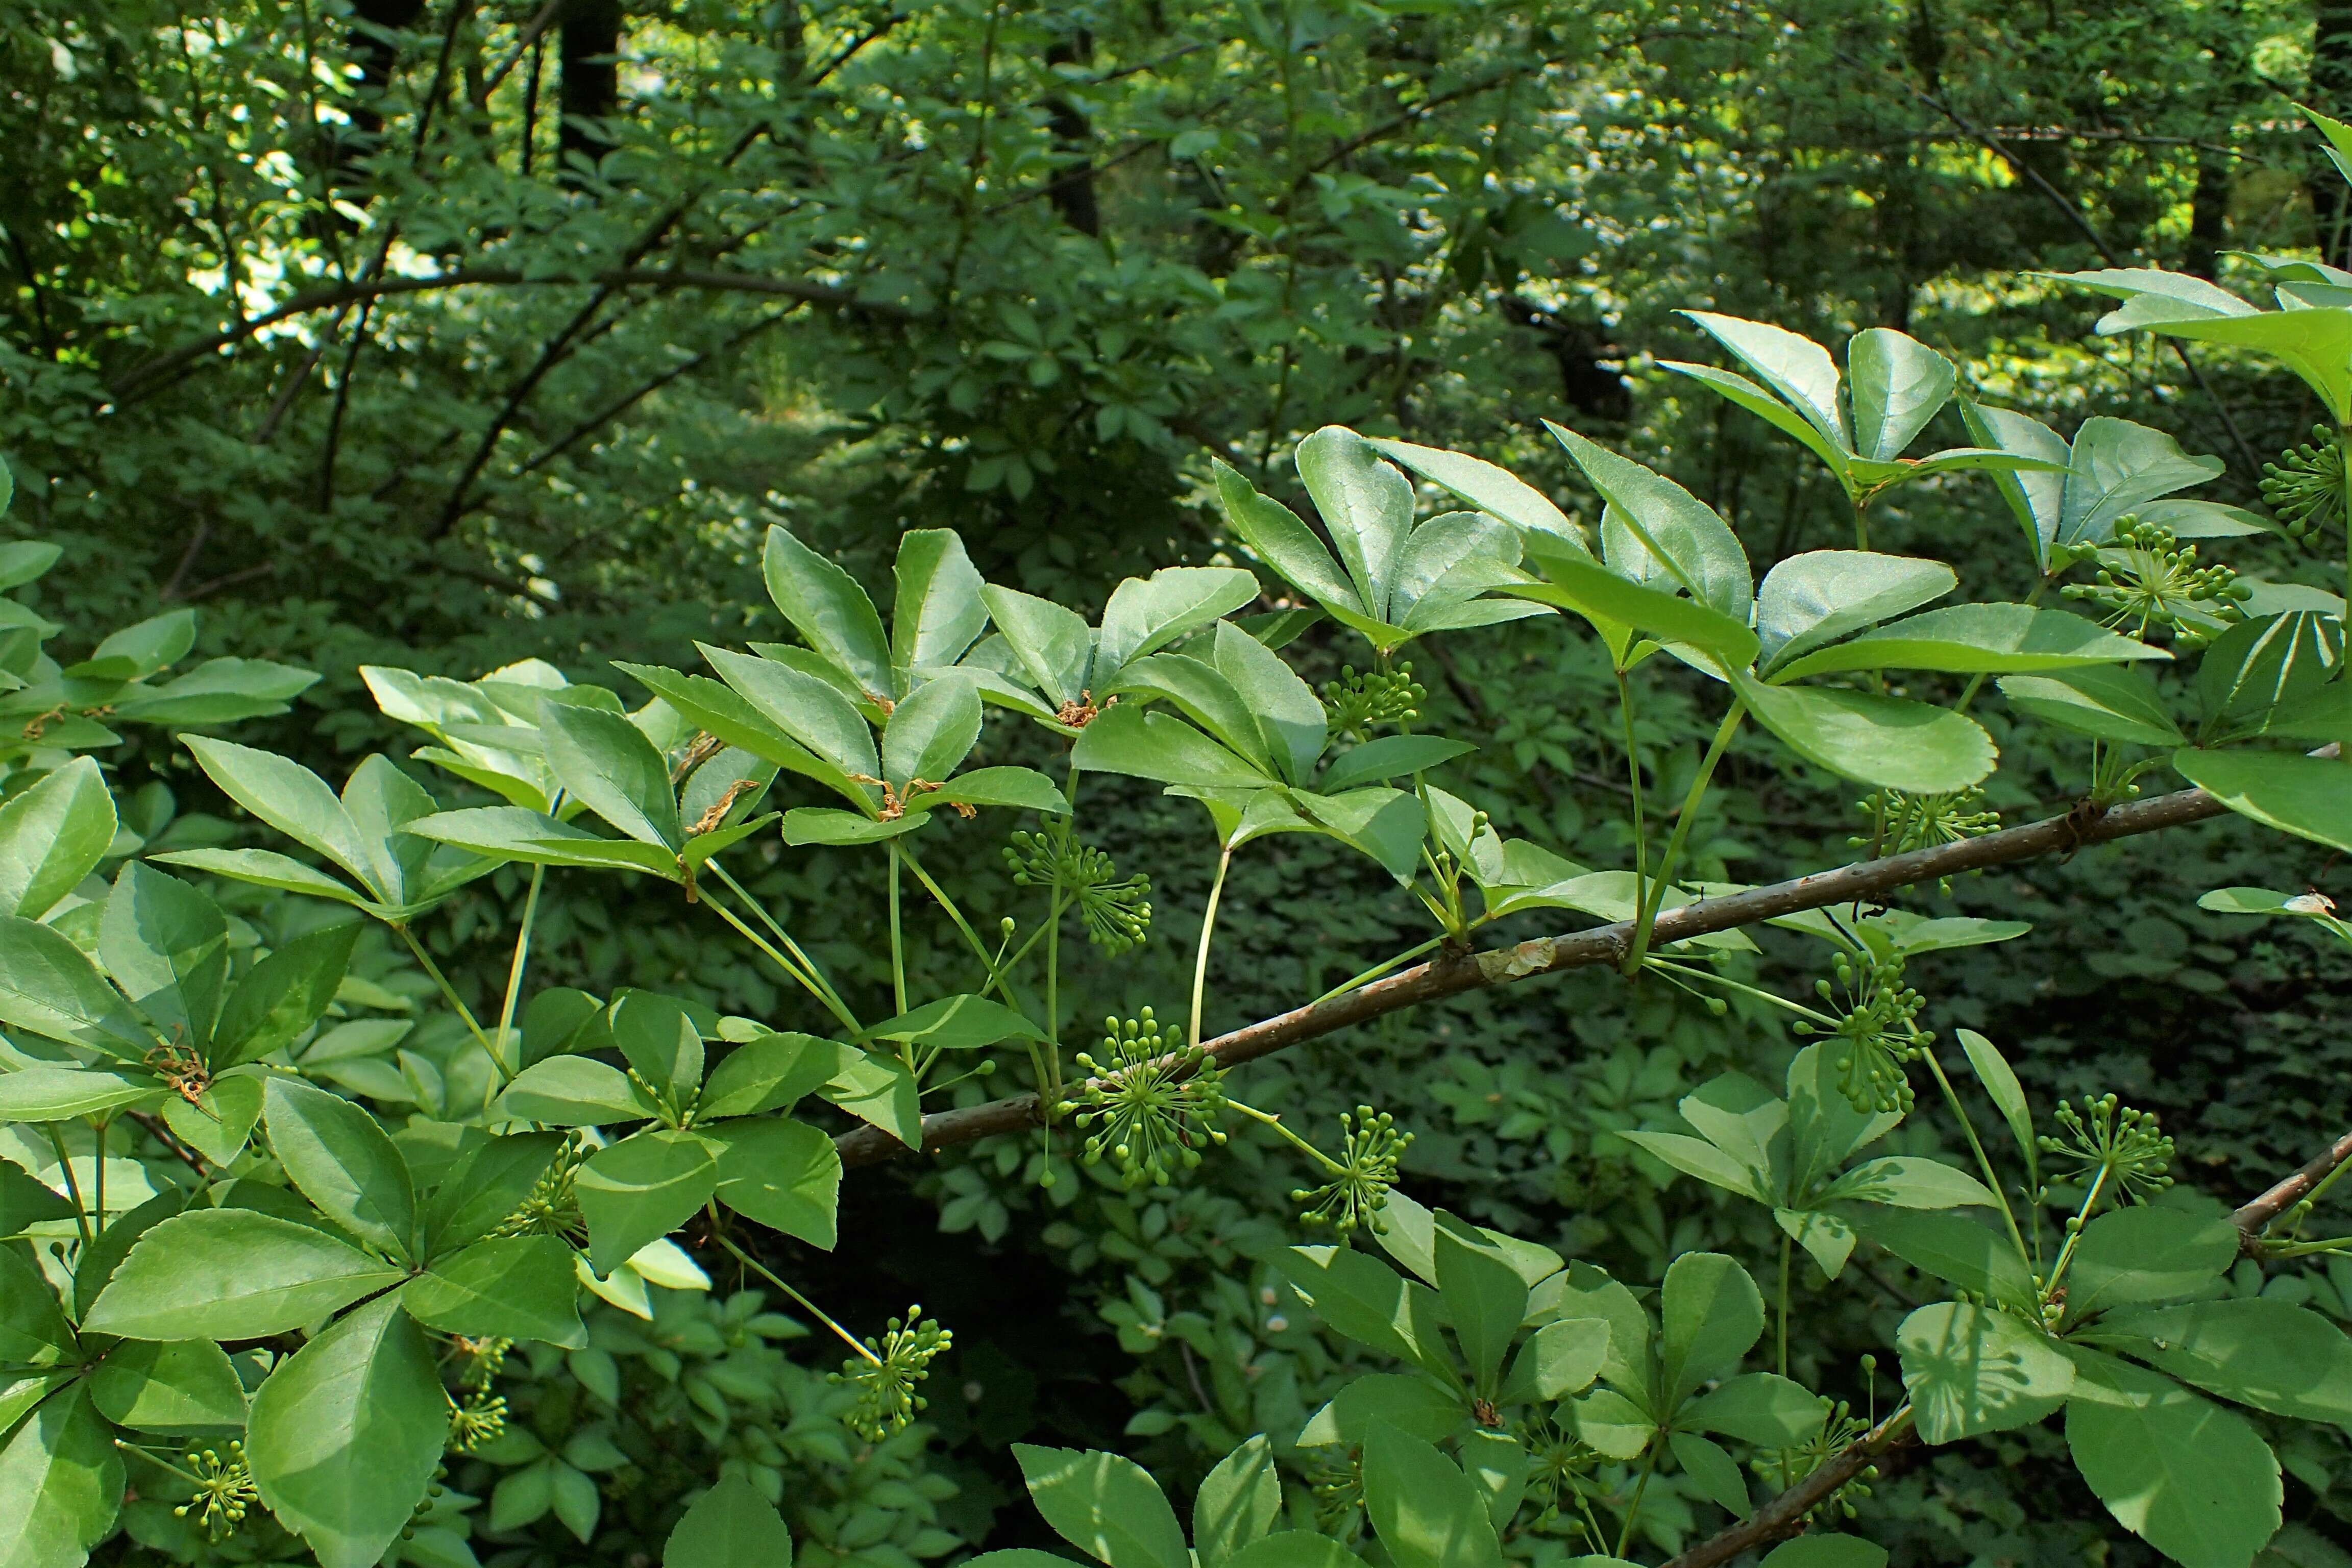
[
  {"x": 2331, "y": 93},
  {"x": 374, "y": 51},
  {"x": 1073, "y": 190},
  {"x": 588, "y": 88}
]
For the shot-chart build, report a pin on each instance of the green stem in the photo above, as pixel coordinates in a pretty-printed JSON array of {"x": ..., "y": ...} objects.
[
  {"x": 2066, "y": 1253},
  {"x": 824, "y": 994},
  {"x": 1208, "y": 925},
  {"x": 1377, "y": 970},
  {"x": 898, "y": 937},
  {"x": 97, "y": 1129},
  {"x": 73, "y": 1182},
  {"x": 813, "y": 976},
  {"x": 448, "y": 990},
  {"x": 1984, "y": 1161},
  {"x": 1788, "y": 1246},
  {"x": 1049, "y": 1081},
  {"x": 1633, "y": 1509},
  {"x": 938, "y": 895},
  {"x": 2303, "y": 1207},
  {"x": 763, "y": 1272},
  {"x": 514, "y": 975},
  {"x": 1976, "y": 681},
  {"x": 1648, "y": 914},
  {"x": 1310, "y": 1150},
  {"x": 1711, "y": 977},
  {"x": 1634, "y": 779}
]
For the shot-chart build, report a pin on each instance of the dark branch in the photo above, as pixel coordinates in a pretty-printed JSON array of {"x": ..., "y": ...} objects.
[
  {"x": 1451, "y": 977},
  {"x": 1785, "y": 1515},
  {"x": 2252, "y": 1216}
]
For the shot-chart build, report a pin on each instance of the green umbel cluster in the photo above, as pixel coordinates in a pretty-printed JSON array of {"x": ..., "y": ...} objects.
[
  {"x": 224, "y": 1490},
  {"x": 2149, "y": 581},
  {"x": 886, "y": 1377},
  {"x": 1153, "y": 1102},
  {"x": 1357, "y": 1190},
  {"x": 2111, "y": 1138},
  {"x": 1117, "y": 910},
  {"x": 2305, "y": 489},
  {"x": 1877, "y": 1035},
  {"x": 552, "y": 1207},
  {"x": 1360, "y": 703}
]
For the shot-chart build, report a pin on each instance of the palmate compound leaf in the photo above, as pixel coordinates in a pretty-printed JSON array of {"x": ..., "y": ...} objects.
[
  {"x": 2194, "y": 1480},
  {"x": 346, "y": 1434}
]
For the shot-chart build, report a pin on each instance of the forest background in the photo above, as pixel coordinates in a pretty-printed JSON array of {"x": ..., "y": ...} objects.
[{"x": 446, "y": 334}]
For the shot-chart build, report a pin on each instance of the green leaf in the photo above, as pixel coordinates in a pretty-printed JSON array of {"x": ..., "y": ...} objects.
[
  {"x": 283, "y": 994},
  {"x": 574, "y": 1092},
  {"x": 49, "y": 987},
  {"x": 784, "y": 1175},
  {"x": 1131, "y": 740},
  {"x": 2108, "y": 702},
  {"x": 828, "y": 608},
  {"x": 1145, "y": 614},
  {"x": 138, "y": 651},
  {"x": 1891, "y": 742},
  {"x": 1055, "y": 647},
  {"x": 33, "y": 1327},
  {"x": 1560, "y": 1359},
  {"x": 881, "y": 1090},
  {"x": 1288, "y": 717},
  {"x": 217, "y": 691},
  {"x": 640, "y": 1189},
  {"x": 815, "y": 713},
  {"x": 1491, "y": 489},
  {"x": 166, "y": 947},
  {"x": 1827, "y": 1551},
  {"x": 2193, "y": 1480},
  {"x": 1711, "y": 1313},
  {"x": 2316, "y": 344},
  {"x": 2001, "y": 1086},
  {"x": 2149, "y": 1253},
  {"x": 1104, "y": 1505},
  {"x": 1600, "y": 593},
  {"x": 263, "y": 868},
  {"x": 1486, "y": 1298},
  {"x": 806, "y": 825},
  {"x": 52, "y": 835},
  {"x": 1276, "y": 536},
  {"x": 513, "y": 833},
  {"x": 957, "y": 1023},
  {"x": 1375, "y": 762},
  {"x": 730, "y": 1526},
  {"x": 1910, "y": 1182},
  {"x": 232, "y": 1273},
  {"x": 930, "y": 732},
  {"x": 2303, "y": 795},
  {"x": 2037, "y": 496},
  {"x": 1822, "y": 595},
  {"x": 1898, "y": 384},
  {"x": 1714, "y": 1473},
  {"x": 484, "y": 1187},
  {"x": 1237, "y": 1503},
  {"x": 1612, "y": 1425},
  {"x": 1698, "y": 1157},
  {"x": 659, "y": 1040},
  {"x": 1366, "y": 505},
  {"x": 1971, "y": 1370},
  {"x": 1972, "y": 638},
  {"x": 2117, "y": 466},
  {"x": 343, "y": 1162},
  {"x": 1363, "y": 1299},
  {"x": 1760, "y": 1407},
  {"x": 1024, "y": 788},
  {"x": 1959, "y": 1250},
  {"x": 60, "y": 1484},
  {"x": 771, "y": 1072},
  {"x": 2287, "y": 1359},
  {"x": 1680, "y": 536},
  {"x": 291, "y": 799},
  {"x": 1422, "y": 1508},
  {"x": 606, "y": 763},
  {"x": 183, "y": 1387},
  {"x": 1284, "y": 1549},
  {"x": 1411, "y": 1405},
  {"x": 21, "y": 561},
  {"x": 1739, "y": 389},
  {"x": 508, "y": 1288},
  {"x": 346, "y": 1434},
  {"x": 1797, "y": 368},
  {"x": 938, "y": 612},
  {"x": 1827, "y": 1238},
  {"x": 43, "y": 1093},
  {"x": 25, "y": 1201},
  {"x": 2260, "y": 664}
]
